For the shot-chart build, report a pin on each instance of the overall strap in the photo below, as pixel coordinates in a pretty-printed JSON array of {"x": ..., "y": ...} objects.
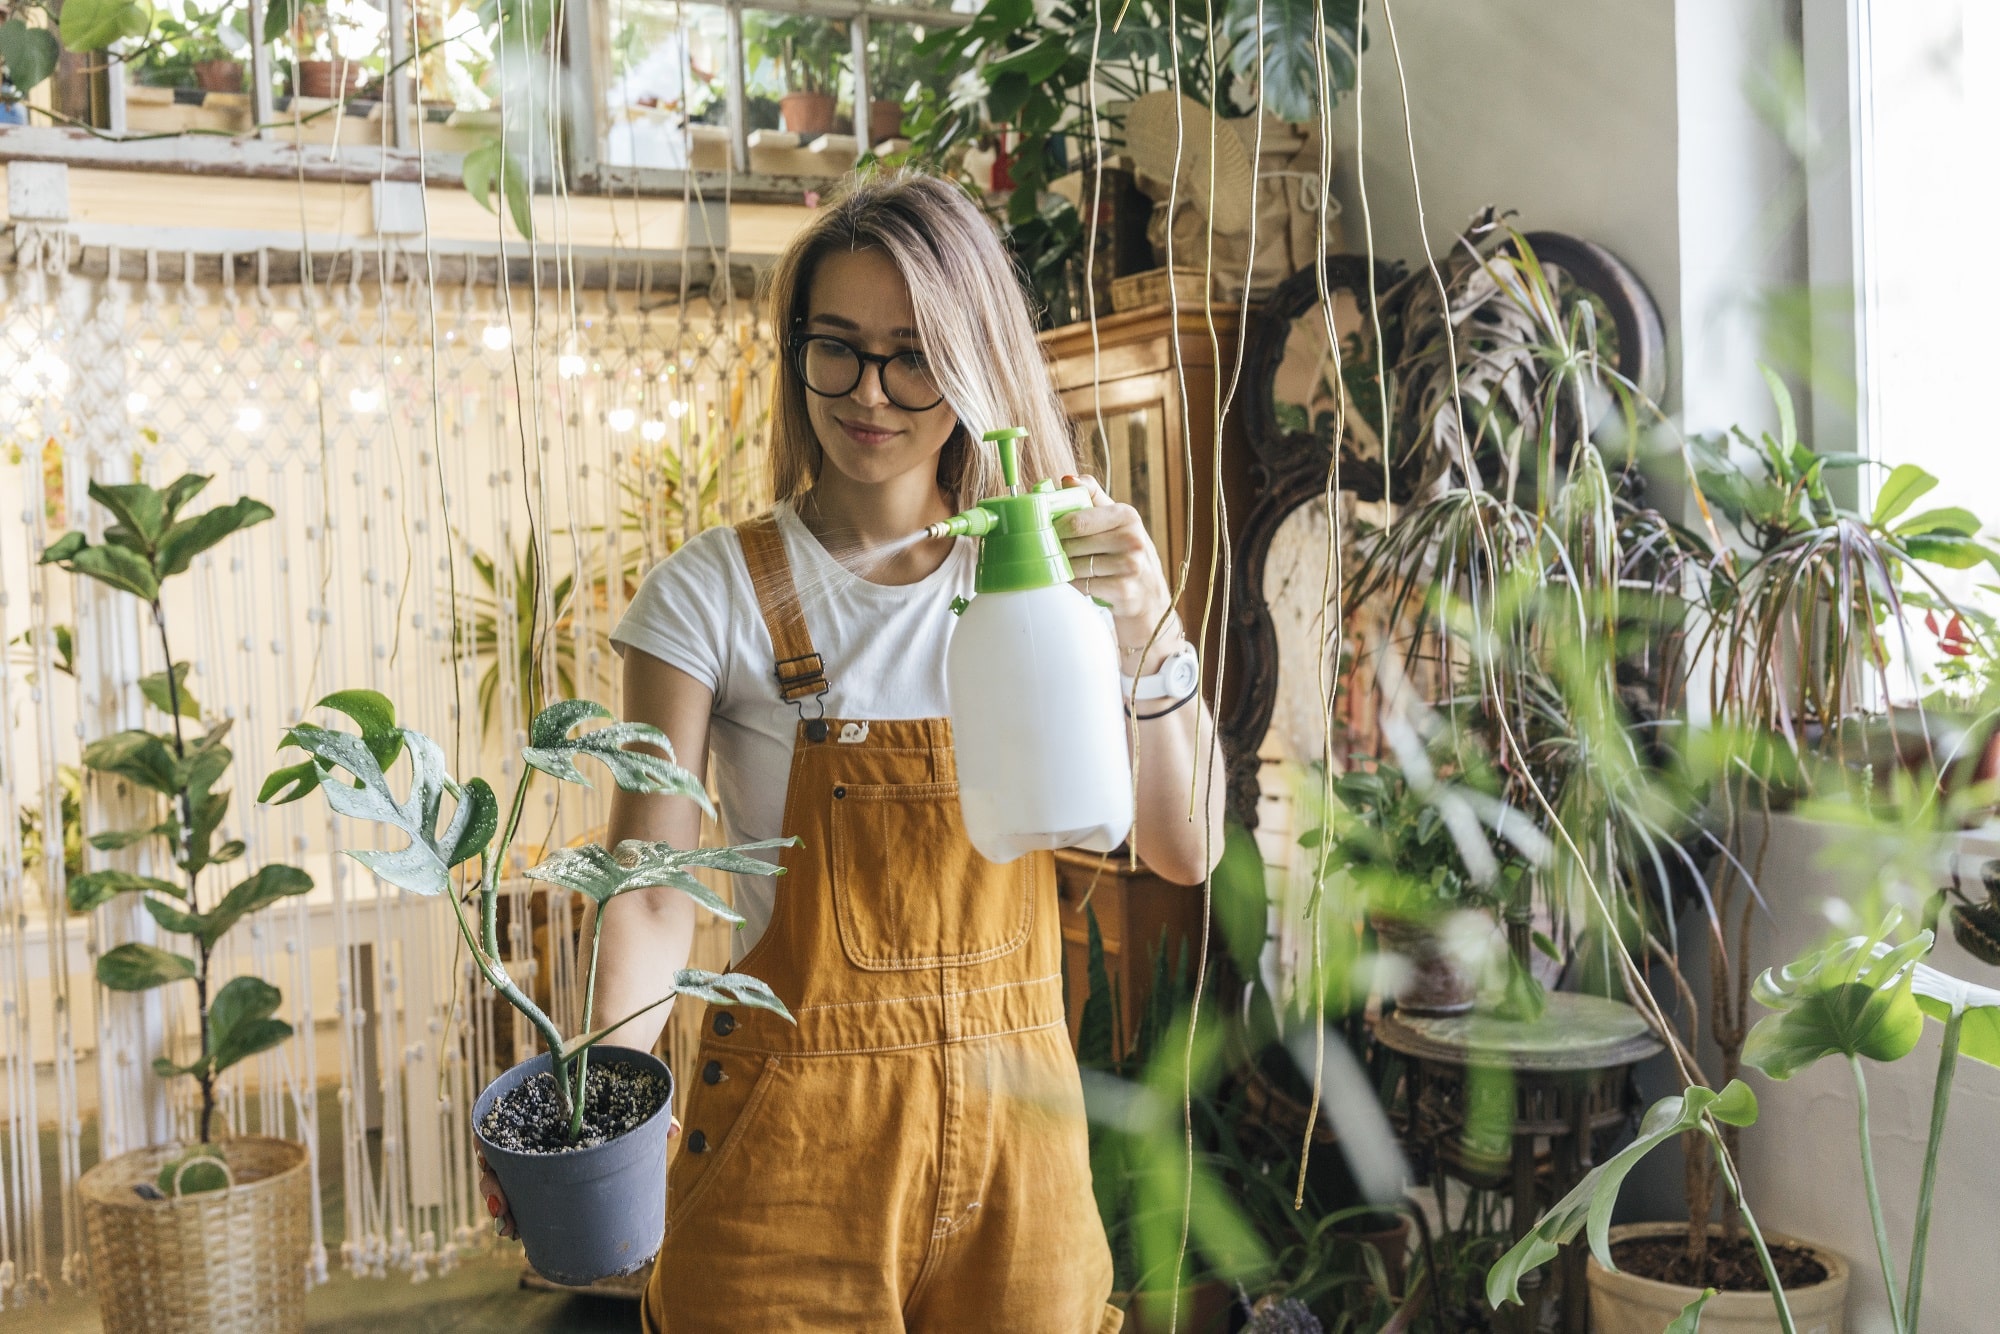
[{"x": 801, "y": 671}]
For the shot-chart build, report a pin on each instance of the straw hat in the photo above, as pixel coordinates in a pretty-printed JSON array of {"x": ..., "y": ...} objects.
[{"x": 1149, "y": 142}]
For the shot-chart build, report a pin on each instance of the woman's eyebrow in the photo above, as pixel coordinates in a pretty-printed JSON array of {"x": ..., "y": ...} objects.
[{"x": 842, "y": 322}]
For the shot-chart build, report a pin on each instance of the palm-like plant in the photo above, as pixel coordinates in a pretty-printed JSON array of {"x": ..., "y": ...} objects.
[{"x": 492, "y": 625}]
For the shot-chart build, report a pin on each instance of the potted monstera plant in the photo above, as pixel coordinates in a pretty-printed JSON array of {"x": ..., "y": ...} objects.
[
  {"x": 151, "y": 1215},
  {"x": 574, "y": 1140}
]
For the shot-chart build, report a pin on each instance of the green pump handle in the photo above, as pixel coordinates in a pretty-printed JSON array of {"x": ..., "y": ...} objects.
[{"x": 1021, "y": 549}]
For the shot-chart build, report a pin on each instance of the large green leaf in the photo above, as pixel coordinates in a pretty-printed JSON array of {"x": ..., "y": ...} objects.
[
  {"x": 111, "y": 840},
  {"x": 136, "y": 967},
  {"x": 1848, "y": 999},
  {"x": 140, "y": 510},
  {"x": 188, "y": 538},
  {"x": 1940, "y": 995},
  {"x": 554, "y": 751},
  {"x": 92, "y": 25},
  {"x": 1589, "y": 1205},
  {"x": 240, "y": 1022},
  {"x": 599, "y": 876},
  {"x": 1292, "y": 31},
  {"x": 1949, "y": 519},
  {"x": 373, "y": 712},
  {"x": 266, "y": 887},
  {"x": 1905, "y": 483},
  {"x": 424, "y": 866},
  {"x": 489, "y": 166},
  {"x": 178, "y": 920},
  {"x": 139, "y": 756},
  {"x": 119, "y": 567},
  {"x": 91, "y": 888},
  {"x": 30, "y": 54},
  {"x": 177, "y": 700}
]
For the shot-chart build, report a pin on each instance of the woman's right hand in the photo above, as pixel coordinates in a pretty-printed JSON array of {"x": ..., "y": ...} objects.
[{"x": 496, "y": 1199}]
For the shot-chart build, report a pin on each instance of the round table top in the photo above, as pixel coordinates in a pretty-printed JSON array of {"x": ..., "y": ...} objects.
[{"x": 1575, "y": 1033}]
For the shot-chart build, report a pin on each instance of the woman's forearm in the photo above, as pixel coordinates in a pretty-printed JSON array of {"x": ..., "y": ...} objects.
[{"x": 1181, "y": 794}]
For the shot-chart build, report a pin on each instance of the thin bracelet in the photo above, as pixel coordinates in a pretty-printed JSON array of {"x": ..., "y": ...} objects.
[{"x": 1177, "y": 704}]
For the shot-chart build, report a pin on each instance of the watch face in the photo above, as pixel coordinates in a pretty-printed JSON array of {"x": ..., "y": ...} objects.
[{"x": 1180, "y": 673}]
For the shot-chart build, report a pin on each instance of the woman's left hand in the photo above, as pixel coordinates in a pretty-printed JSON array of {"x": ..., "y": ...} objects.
[{"x": 1114, "y": 560}]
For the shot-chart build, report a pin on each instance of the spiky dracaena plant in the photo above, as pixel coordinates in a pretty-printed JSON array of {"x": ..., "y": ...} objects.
[
  {"x": 150, "y": 543},
  {"x": 351, "y": 769}
]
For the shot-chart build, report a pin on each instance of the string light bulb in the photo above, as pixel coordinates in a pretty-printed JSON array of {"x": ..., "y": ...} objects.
[
  {"x": 620, "y": 419},
  {"x": 497, "y": 337}
]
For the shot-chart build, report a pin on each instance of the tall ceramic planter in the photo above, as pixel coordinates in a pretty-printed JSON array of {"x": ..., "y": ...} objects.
[
  {"x": 229, "y": 1261},
  {"x": 589, "y": 1213},
  {"x": 1622, "y": 1303}
]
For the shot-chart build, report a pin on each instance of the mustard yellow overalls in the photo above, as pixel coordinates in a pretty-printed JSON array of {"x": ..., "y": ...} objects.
[{"x": 911, "y": 1155}]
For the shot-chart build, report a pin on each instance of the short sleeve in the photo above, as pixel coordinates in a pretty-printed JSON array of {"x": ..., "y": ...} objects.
[{"x": 680, "y": 614}]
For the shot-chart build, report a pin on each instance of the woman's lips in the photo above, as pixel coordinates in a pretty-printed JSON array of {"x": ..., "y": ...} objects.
[{"x": 864, "y": 434}]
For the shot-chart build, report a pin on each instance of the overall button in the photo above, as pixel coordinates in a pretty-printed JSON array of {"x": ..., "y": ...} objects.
[
  {"x": 712, "y": 1073},
  {"x": 725, "y": 1023},
  {"x": 839, "y": 792},
  {"x": 697, "y": 1142},
  {"x": 816, "y": 729}
]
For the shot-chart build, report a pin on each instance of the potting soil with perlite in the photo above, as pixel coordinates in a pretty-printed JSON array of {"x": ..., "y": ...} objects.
[{"x": 529, "y": 1118}]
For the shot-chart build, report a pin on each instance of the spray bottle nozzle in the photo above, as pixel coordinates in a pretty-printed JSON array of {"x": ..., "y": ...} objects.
[{"x": 975, "y": 522}]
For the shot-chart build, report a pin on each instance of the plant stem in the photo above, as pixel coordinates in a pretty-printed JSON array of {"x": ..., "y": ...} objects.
[
  {"x": 589, "y": 1007},
  {"x": 1778, "y": 1297},
  {"x": 207, "y": 1074},
  {"x": 492, "y": 968},
  {"x": 1940, "y": 1104},
  {"x": 1875, "y": 1196}
]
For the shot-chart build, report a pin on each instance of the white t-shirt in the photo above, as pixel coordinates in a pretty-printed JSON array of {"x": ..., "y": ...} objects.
[{"x": 883, "y": 646}]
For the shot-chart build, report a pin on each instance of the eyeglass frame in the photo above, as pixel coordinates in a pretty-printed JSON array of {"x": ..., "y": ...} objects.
[{"x": 862, "y": 361}]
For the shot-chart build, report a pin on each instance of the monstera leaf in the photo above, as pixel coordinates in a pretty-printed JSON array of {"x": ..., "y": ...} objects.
[
  {"x": 600, "y": 877},
  {"x": 554, "y": 751},
  {"x": 424, "y": 867},
  {"x": 1588, "y": 1207},
  {"x": 1852, "y": 998}
]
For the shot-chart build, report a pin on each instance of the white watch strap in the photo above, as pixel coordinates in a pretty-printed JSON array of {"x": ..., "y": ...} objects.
[{"x": 1177, "y": 677}]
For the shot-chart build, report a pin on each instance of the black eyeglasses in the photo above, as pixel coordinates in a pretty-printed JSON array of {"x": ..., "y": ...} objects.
[{"x": 832, "y": 367}]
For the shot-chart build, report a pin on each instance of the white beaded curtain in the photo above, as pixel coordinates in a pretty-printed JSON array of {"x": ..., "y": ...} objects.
[{"x": 464, "y": 504}]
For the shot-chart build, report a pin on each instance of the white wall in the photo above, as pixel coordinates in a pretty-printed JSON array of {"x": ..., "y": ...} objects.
[{"x": 1562, "y": 110}]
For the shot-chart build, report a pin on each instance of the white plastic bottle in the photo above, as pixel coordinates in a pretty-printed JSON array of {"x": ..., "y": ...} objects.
[{"x": 1037, "y": 719}]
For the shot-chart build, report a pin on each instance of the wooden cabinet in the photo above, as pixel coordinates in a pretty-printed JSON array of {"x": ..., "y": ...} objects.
[{"x": 1146, "y": 398}]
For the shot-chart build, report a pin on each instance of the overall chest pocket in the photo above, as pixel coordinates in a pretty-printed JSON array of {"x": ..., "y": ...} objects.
[{"x": 909, "y": 889}]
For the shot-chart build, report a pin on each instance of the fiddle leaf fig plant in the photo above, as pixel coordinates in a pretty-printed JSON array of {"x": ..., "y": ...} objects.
[
  {"x": 351, "y": 769},
  {"x": 149, "y": 542}
]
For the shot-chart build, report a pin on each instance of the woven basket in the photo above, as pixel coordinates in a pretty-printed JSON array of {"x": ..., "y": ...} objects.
[{"x": 211, "y": 1263}]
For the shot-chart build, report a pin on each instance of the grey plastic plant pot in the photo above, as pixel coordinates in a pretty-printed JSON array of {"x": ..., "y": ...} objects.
[{"x": 591, "y": 1213}]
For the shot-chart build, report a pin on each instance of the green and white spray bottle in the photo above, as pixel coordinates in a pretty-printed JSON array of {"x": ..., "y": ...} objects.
[{"x": 1032, "y": 672}]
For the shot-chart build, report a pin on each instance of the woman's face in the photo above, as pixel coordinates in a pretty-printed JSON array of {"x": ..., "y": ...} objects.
[{"x": 860, "y": 298}]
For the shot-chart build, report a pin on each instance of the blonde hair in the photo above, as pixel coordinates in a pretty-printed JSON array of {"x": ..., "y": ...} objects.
[{"x": 972, "y": 322}]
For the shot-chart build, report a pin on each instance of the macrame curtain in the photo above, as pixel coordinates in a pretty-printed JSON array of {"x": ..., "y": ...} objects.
[{"x": 470, "y": 474}]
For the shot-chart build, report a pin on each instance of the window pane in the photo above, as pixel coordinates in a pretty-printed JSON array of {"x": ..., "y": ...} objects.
[{"x": 666, "y": 100}]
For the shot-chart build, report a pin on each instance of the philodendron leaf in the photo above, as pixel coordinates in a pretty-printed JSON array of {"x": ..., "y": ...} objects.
[
  {"x": 290, "y": 783},
  {"x": 424, "y": 866},
  {"x": 177, "y": 700},
  {"x": 373, "y": 712},
  {"x": 240, "y": 1022},
  {"x": 1940, "y": 995},
  {"x": 270, "y": 884},
  {"x": 30, "y": 54},
  {"x": 136, "y": 967},
  {"x": 188, "y": 538},
  {"x": 1848, "y": 999},
  {"x": 91, "y": 888},
  {"x": 553, "y": 750},
  {"x": 139, "y": 756},
  {"x": 1906, "y": 482},
  {"x": 1689, "y": 1320},
  {"x": 1590, "y": 1204},
  {"x": 600, "y": 876},
  {"x": 728, "y": 989}
]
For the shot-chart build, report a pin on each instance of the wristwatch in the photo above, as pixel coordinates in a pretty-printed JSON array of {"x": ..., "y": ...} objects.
[{"x": 1176, "y": 678}]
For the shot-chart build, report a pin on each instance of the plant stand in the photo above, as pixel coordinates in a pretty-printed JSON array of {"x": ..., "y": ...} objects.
[{"x": 1571, "y": 1071}]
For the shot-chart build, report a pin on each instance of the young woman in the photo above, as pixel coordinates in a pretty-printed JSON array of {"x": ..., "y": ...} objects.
[{"x": 912, "y": 1154}]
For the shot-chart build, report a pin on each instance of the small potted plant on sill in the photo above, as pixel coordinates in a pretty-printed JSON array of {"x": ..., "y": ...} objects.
[
  {"x": 897, "y": 61},
  {"x": 199, "y": 50},
  {"x": 153, "y": 1216},
  {"x": 318, "y": 69},
  {"x": 806, "y": 52},
  {"x": 579, "y": 1144}
]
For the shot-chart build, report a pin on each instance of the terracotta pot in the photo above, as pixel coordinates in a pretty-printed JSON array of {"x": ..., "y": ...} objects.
[
  {"x": 320, "y": 78},
  {"x": 1439, "y": 983},
  {"x": 1392, "y": 1244},
  {"x": 885, "y": 120},
  {"x": 1622, "y": 1303},
  {"x": 808, "y": 115},
  {"x": 218, "y": 76}
]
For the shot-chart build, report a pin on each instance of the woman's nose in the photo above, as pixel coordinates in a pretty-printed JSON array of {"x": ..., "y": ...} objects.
[{"x": 867, "y": 394}]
